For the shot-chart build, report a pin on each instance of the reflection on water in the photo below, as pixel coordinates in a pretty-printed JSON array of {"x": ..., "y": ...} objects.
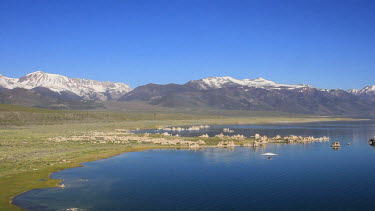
[{"x": 310, "y": 176}]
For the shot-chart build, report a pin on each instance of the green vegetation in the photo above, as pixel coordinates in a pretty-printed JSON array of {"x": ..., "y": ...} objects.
[
  {"x": 12, "y": 115},
  {"x": 27, "y": 155}
]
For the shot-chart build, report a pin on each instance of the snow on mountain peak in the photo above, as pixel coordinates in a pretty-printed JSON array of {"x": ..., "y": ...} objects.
[
  {"x": 368, "y": 90},
  {"x": 222, "y": 82},
  {"x": 85, "y": 88},
  {"x": 37, "y": 72},
  {"x": 260, "y": 79}
]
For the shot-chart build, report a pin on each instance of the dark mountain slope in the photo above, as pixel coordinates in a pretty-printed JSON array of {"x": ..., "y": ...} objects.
[
  {"x": 41, "y": 98},
  {"x": 302, "y": 100}
]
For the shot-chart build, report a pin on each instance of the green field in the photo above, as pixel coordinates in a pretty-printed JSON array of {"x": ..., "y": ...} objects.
[{"x": 27, "y": 155}]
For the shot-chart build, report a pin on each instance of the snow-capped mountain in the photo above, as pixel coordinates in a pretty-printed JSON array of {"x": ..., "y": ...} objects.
[
  {"x": 224, "y": 82},
  {"x": 354, "y": 91},
  {"x": 367, "y": 91},
  {"x": 9, "y": 83},
  {"x": 84, "y": 88},
  {"x": 257, "y": 94},
  {"x": 56, "y": 91}
]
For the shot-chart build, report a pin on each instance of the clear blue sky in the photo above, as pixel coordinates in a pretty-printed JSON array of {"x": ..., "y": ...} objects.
[{"x": 325, "y": 43}]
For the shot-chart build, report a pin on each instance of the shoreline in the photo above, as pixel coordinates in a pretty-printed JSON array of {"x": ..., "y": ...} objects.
[
  {"x": 281, "y": 122},
  {"x": 32, "y": 178},
  {"x": 50, "y": 183}
]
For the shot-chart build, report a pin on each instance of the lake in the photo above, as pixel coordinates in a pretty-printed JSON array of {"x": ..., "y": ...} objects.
[{"x": 302, "y": 177}]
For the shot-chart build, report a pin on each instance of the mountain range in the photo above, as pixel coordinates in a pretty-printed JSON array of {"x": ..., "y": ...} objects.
[
  {"x": 256, "y": 94},
  {"x": 52, "y": 90},
  {"x": 76, "y": 88}
]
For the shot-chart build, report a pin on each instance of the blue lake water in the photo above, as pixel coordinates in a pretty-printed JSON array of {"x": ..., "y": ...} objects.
[{"x": 302, "y": 177}]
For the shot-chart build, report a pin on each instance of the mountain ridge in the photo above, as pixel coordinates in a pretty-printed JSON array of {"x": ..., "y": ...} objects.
[
  {"x": 54, "y": 90},
  {"x": 85, "y": 88},
  {"x": 227, "y": 81},
  {"x": 256, "y": 94},
  {"x": 27, "y": 82}
]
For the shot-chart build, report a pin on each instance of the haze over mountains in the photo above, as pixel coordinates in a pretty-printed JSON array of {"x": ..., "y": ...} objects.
[{"x": 56, "y": 91}]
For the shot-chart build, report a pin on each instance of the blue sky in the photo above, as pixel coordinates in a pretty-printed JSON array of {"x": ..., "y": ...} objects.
[{"x": 325, "y": 43}]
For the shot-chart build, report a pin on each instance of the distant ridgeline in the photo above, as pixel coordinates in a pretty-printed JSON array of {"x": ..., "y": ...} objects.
[{"x": 41, "y": 89}]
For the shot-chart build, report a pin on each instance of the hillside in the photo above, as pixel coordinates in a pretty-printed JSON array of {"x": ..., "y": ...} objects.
[{"x": 258, "y": 94}]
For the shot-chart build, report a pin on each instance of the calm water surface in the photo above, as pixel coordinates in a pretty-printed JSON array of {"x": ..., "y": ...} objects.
[{"x": 303, "y": 177}]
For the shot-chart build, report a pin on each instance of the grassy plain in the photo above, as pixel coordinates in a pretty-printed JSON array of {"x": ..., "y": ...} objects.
[{"x": 27, "y": 156}]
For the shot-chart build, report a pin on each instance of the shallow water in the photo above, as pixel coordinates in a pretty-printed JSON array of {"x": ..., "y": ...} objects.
[{"x": 303, "y": 177}]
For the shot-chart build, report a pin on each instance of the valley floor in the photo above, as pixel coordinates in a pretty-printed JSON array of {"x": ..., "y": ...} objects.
[{"x": 28, "y": 154}]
